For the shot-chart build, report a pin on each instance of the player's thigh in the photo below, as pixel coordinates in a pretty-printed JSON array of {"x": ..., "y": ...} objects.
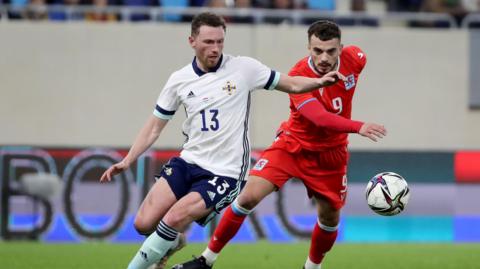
[
  {"x": 155, "y": 205},
  {"x": 327, "y": 187},
  {"x": 188, "y": 209},
  {"x": 324, "y": 175},
  {"x": 276, "y": 165},
  {"x": 254, "y": 191}
]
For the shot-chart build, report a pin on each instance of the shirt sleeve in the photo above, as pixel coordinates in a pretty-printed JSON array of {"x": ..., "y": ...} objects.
[
  {"x": 259, "y": 75},
  {"x": 168, "y": 101},
  {"x": 299, "y": 100},
  {"x": 316, "y": 113}
]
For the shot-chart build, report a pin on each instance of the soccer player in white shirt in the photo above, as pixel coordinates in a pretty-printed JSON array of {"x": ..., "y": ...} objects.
[{"x": 215, "y": 90}]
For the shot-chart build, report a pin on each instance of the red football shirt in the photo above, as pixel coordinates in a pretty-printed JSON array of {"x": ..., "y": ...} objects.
[{"x": 336, "y": 99}]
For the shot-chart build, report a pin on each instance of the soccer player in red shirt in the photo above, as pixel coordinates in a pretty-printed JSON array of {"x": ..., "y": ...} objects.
[{"x": 310, "y": 146}]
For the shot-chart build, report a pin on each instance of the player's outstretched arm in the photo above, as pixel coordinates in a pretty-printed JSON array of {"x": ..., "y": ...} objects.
[
  {"x": 373, "y": 131},
  {"x": 298, "y": 84},
  {"x": 316, "y": 113},
  {"x": 147, "y": 136}
]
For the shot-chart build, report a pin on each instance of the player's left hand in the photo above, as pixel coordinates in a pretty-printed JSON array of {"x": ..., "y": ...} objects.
[
  {"x": 331, "y": 78},
  {"x": 114, "y": 170},
  {"x": 373, "y": 131}
]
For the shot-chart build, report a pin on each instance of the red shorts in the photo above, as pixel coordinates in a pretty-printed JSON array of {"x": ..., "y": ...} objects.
[{"x": 322, "y": 172}]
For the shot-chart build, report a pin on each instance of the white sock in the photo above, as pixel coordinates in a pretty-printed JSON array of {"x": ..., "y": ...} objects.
[
  {"x": 311, "y": 265},
  {"x": 154, "y": 247},
  {"x": 210, "y": 256}
]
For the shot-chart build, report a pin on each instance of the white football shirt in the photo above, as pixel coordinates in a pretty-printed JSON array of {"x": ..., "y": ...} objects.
[{"x": 217, "y": 104}]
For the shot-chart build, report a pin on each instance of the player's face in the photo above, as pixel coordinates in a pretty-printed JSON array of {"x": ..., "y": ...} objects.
[
  {"x": 208, "y": 46},
  {"x": 324, "y": 53}
]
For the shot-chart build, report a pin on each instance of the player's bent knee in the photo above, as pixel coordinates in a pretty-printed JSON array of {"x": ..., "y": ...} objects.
[
  {"x": 248, "y": 201},
  {"x": 143, "y": 227},
  {"x": 331, "y": 220}
]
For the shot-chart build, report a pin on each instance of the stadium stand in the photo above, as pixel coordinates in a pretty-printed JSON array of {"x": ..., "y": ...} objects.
[{"x": 372, "y": 13}]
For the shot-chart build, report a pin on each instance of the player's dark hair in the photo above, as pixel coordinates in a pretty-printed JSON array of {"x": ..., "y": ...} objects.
[
  {"x": 324, "y": 30},
  {"x": 209, "y": 19}
]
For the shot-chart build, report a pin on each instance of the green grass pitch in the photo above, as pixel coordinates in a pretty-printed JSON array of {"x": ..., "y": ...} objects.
[{"x": 262, "y": 255}]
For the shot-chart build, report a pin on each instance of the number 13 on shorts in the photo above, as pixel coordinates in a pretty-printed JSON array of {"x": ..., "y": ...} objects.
[{"x": 220, "y": 189}]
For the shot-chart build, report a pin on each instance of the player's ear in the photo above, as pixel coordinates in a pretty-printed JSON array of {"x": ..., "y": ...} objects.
[
  {"x": 341, "y": 49},
  {"x": 191, "y": 40}
]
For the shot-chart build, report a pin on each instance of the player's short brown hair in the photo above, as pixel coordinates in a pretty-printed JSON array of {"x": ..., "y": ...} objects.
[
  {"x": 209, "y": 19},
  {"x": 324, "y": 30}
]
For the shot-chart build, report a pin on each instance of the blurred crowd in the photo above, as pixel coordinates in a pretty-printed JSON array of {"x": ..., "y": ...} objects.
[{"x": 100, "y": 10}]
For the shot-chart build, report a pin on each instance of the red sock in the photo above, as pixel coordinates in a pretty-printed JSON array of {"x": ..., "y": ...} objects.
[
  {"x": 227, "y": 228},
  {"x": 322, "y": 242}
]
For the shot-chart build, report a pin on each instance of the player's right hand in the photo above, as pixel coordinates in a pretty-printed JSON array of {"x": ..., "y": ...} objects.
[
  {"x": 331, "y": 78},
  {"x": 113, "y": 170},
  {"x": 373, "y": 131}
]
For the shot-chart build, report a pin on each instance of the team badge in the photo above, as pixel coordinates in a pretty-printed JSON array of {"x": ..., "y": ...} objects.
[
  {"x": 229, "y": 88},
  {"x": 260, "y": 164},
  {"x": 350, "y": 83},
  {"x": 168, "y": 171}
]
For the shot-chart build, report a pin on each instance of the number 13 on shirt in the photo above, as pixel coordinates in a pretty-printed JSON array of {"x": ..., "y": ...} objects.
[{"x": 210, "y": 120}]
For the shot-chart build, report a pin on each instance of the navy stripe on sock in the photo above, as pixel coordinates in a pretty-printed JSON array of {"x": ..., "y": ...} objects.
[
  {"x": 166, "y": 232},
  {"x": 167, "y": 229}
]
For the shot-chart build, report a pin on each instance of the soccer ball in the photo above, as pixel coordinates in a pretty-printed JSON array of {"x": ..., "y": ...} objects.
[{"x": 387, "y": 193}]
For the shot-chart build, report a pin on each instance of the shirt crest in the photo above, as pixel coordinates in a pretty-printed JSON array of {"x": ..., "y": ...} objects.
[{"x": 229, "y": 88}]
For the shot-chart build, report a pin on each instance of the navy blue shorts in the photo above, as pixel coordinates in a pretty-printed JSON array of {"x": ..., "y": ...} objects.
[{"x": 217, "y": 191}]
